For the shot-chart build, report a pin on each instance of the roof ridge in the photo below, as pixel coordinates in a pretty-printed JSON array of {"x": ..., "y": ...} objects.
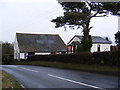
[
  {"x": 36, "y": 34},
  {"x": 91, "y": 36}
]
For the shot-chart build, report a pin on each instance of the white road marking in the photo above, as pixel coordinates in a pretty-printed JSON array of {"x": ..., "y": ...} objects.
[
  {"x": 30, "y": 70},
  {"x": 75, "y": 82},
  {"x": 11, "y": 66},
  {"x": 22, "y": 85}
]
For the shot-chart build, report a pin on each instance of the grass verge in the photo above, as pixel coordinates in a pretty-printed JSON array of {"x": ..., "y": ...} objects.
[
  {"x": 9, "y": 82},
  {"x": 89, "y": 68},
  {"x": 0, "y": 79}
]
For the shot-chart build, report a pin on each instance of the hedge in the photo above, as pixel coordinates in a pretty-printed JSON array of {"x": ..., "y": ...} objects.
[{"x": 98, "y": 58}]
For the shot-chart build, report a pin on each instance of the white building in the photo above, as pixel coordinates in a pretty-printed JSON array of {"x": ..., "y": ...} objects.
[
  {"x": 99, "y": 44},
  {"x": 37, "y": 44}
]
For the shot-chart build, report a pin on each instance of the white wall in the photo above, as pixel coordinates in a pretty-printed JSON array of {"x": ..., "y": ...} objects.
[
  {"x": 75, "y": 39},
  {"x": 16, "y": 49},
  {"x": 42, "y": 53},
  {"x": 22, "y": 55},
  {"x": 94, "y": 48},
  {"x": 17, "y": 54},
  {"x": 46, "y": 53},
  {"x": 103, "y": 47}
]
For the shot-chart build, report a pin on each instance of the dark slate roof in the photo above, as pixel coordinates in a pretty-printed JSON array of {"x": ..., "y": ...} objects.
[
  {"x": 95, "y": 39},
  {"x": 40, "y": 42}
]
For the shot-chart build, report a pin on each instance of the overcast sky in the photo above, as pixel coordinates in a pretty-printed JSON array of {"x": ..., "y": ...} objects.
[{"x": 33, "y": 16}]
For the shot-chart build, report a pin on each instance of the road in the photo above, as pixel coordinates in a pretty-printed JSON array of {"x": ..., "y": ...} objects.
[{"x": 45, "y": 77}]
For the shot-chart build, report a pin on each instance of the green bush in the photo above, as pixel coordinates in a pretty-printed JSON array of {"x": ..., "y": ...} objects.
[
  {"x": 7, "y": 58},
  {"x": 85, "y": 45}
]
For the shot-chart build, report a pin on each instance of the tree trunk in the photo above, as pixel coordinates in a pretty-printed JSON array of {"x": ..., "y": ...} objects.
[{"x": 86, "y": 32}]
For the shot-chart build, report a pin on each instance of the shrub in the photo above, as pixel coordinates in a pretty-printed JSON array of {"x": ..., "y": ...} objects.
[
  {"x": 7, "y": 58},
  {"x": 85, "y": 45}
]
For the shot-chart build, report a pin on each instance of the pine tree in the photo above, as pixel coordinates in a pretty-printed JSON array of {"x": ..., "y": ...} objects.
[{"x": 79, "y": 14}]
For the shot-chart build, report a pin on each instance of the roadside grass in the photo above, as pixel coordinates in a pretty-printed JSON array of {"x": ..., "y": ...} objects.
[
  {"x": 0, "y": 79},
  {"x": 108, "y": 70},
  {"x": 9, "y": 82}
]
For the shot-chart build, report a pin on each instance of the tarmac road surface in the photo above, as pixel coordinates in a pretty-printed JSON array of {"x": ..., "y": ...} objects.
[{"x": 45, "y": 77}]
